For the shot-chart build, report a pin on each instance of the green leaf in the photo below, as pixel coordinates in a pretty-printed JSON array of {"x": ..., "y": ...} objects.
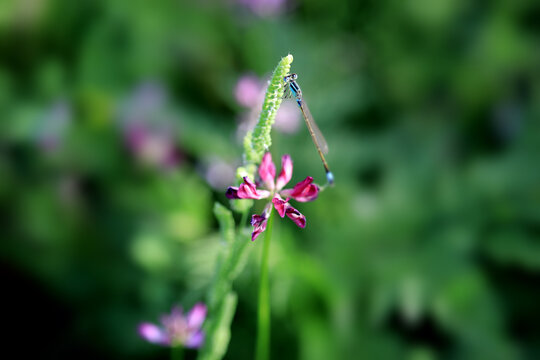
[
  {"x": 221, "y": 299},
  {"x": 218, "y": 331},
  {"x": 226, "y": 222}
]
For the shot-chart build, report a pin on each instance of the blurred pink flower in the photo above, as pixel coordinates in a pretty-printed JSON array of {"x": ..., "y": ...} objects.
[
  {"x": 148, "y": 126},
  {"x": 176, "y": 328},
  {"x": 288, "y": 118},
  {"x": 151, "y": 146},
  {"x": 249, "y": 93}
]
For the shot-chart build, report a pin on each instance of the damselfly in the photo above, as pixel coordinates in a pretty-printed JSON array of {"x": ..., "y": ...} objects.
[{"x": 293, "y": 91}]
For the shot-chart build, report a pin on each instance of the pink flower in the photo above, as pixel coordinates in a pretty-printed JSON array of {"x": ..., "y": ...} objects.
[
  {"x": 304, "y": 191},
  {"x": 177, "y": 329}
]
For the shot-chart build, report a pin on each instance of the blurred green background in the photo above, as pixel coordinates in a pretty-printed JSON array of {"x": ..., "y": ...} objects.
[{"x": 121, "y": 126}]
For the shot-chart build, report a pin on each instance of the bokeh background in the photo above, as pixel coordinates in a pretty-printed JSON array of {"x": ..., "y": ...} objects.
[{"x": 122, "y": 124}]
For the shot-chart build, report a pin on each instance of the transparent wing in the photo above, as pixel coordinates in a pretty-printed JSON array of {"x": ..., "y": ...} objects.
[
  {"x": 316, "y": 134},
  {"x": 287, "y": 94}
]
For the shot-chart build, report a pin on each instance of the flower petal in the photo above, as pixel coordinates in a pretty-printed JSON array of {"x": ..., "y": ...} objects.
[
  {"x": 153, "y": 334},
  {"x": 195, "y": 340},
  {"x": 196, "y": 316},
  {"x": 286, "y": 172},
  {"x": 280, "y": 205},
  {"x": 173, "y": 321},
  {"x": 259, "y": 224},
  {"x": 284, "y": 208},
  {"x": 296, "y": 216},
  {"x": 267, "y": 171},
  {"x": 232, "y": 193},
  {"x": 247, "y": 190},
  {"x": 303, "y": 191}
]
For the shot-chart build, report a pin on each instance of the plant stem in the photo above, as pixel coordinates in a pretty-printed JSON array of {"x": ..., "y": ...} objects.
[
  {"x": 177, "y": 352},
  {"x": 263, "y": 313},
  {"x": 243, "y": 219}
]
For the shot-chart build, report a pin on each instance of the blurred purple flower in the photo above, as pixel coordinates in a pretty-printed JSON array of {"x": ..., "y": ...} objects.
[
  {"x": 264, "y": 8},
  {"x": 218, "y": 173},
  {"x": 147, "y": 126},
  {"x": 249, "y": 93},
  {"x": 146, "y": 100},
  {"x": 151, "y": 146},
  {"x": 54, "y": 126},
  {"x": 176, "y": 328}
]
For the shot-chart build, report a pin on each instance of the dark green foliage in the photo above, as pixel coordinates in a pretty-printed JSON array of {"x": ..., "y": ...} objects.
[{"x": 426, "y": 248}]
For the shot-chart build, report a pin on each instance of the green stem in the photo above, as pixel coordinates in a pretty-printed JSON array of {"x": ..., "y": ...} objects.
[
  {"x": 263, "y": 313},
  {"x": 177, "y": 352},
  {"x": 243, "y": 219}
]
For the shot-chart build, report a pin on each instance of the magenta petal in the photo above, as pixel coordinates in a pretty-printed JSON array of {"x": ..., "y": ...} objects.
[
  {"x": 303, "y": 191},
  {"x": 286, "y": 172},
  {"x": 284, "y": 208},
  {"x": 153, "y": 334},
  {"x": 280, "y": 205},
  {"x": 267, "y": 171},
  {"x": 247, "y": 190},
  {"x": 259, "y": 225},
  {"x": 232, "y": 193},
  {"x": 196, "y": 316},
  {"x": 296, "y": 216},
  {"x": 195, "y": 340}
]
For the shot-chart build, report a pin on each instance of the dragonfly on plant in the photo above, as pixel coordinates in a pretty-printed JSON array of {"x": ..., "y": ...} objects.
[{"x": 293, "y": 91}]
